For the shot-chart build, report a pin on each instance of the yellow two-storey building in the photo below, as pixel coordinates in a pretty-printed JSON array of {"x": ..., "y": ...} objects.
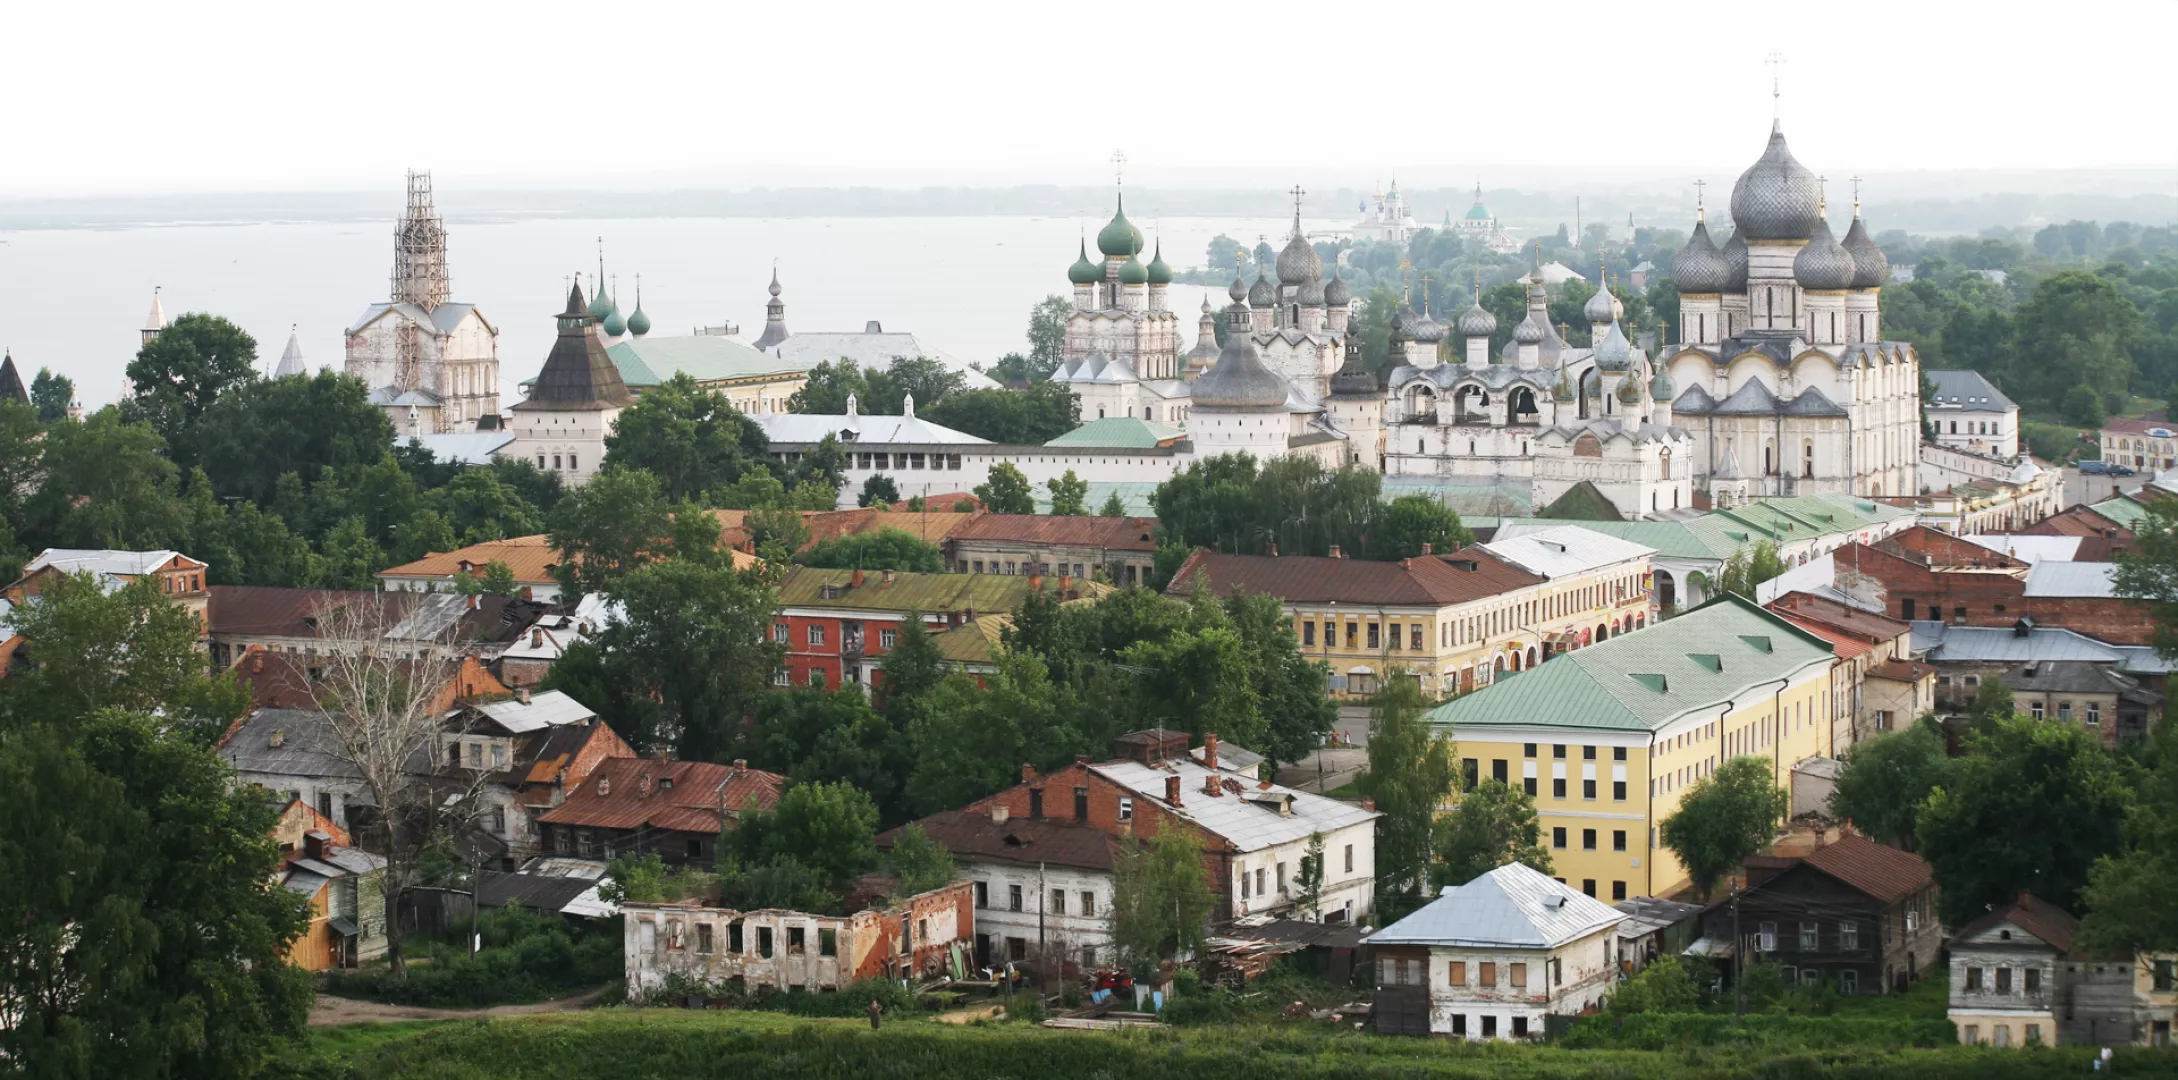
[
  {"x": 1453, "y": 621},
  {"x": 1608, "y": 739}
]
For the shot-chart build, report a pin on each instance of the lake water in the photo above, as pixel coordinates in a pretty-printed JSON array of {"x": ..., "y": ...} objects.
[{"x": 73, "y": 300}]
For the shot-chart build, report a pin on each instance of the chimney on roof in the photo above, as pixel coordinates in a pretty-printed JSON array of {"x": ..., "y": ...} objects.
[
  {"x": 887, "y": 580},
  {"x": 1210, "y": 751},
  {"x": 999, "y": 813},
  {"x": 257, "y": 660},
  {"x": 1036, "y": 580},
  {"x": 854, "y": 580},
  {"x": 521, "y": 694},
  {"x": 1081, "y": 759},
  {"x": 1028, "y": 774},
  {"x": 1274, "y": 549},
  {"x": 536, "y": 639},
  {"x": 741, "y": 765},
  {"x": 1172, "y": 790},
  {"x": 1426, "y": 548},
  {"x": 1369, "y": 805},
  {"x": 1210, "y": 785},
  {"x": 1336, "y": 553},
  {"x": 474, "y": 601}
]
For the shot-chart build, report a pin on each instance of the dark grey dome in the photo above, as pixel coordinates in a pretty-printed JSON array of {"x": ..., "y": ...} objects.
[
  {"x": 1239, "y": 380},
  {"x": 1299, "y": 262},
  {"x": 1823, "y": 264},
  {"x": 1528, "y": 332},
  {"x": 1309, "y": 294},
  {"x": 1352, "y": 379},
  {"x": 1777, "y": 198},
  {"x": 1735, "y": 263},
  {"x": 1262, "y": 294},
  {"x": 1629, "y": 390},
  {"x": 1871, "y": 268},
  {"x": 1603, "y": 307},
  {"x": 1477, "y": 321},
  {"x": 1700, "y": 267},
  {"x": 1614, "y": 352},
  {"x": 1338, "y": 293},
  {"x": 1238, "y": 291},
  {"x": 1427, "y": 329}
]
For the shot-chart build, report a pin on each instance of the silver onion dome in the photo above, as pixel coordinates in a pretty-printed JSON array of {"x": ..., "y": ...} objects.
[
  {"x": 1528, "y": 332},
  {"x": 1299, "y": 263},
  {"x": 1777, "y": 198},
  {"x": 1823, "y": 264},
  {"x": 1338, "y": 293},
  {"x": 1629, "y": 390},
  {"x": 1603, "y": 307},
  {"x": 1477, "y": 321},
  {"x": 1238, "y": 291},
  {"x": 1700, "y": 267},
  {"x": 1614, "y": 352},
  {"x": 1309, "y": 294},
  {"x": 1262, "y": 294},
  {"x": 1871, "y": 268},
  {"x": 1735, "y": 263},
  {"x": 1661, "y": 387},
  {"x": 1239, "y": 380}
]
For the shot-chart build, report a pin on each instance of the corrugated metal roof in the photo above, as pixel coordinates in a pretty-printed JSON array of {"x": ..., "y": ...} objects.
[
  {"x": 1512, "y": 906},
  {"x": 2123, "y": 509},
  {"x": 2070, "y": 579},
  {"x": 1879, "y": 870},
  {"x": 2029, "y": 548},
  {"x": 1120, "y": 433},
  {"x": 1643, "y": 680},
  {"x": 651, "y": 361},
  {"x": 629, "y": 793},
  {"x": 1242, "y": 818},
  {"x": 553, "y": 708},
  {"x": 1427, "y": 581},
  {"x": 1119, "y": 533},
  {"x": 1566, "y": 550},
  {"x": 867, "y": 430},
  {"x": 1998, "y": 644},
  {"x": 810, "y": 587}
]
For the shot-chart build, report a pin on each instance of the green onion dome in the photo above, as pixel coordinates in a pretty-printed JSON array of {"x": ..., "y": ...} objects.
[
  {"x": 638, "y": 323},
  {"x": 1084, "y": 272},
  {"x": 1132, "y": 272},
  {"x": 1120, "y": 239},
  {"x": 614, "y": 324},
  {"x": 1661, "y": 387},
  {"x": 1159, "y": 273},
  {"x": 1629, "y": 390}
]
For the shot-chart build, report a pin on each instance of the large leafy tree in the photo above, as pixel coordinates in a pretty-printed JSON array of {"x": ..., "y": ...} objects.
[
  {"x": 2132, "y": 895},
  {"x": 1411, "y": 523},
  {"x": 831, "y": 828},
  {"x": 2032, "y": 807},
  {"x": 1725, "y": 817},
  {"x": 879, "y": 490},
  {"x": 2149, "y": 571},
  {"x": 1069, "y": 495},
  {"x": 608, "y": 527},
  {"x": 258, "y": 429},
  {"x": 145, "y": 934},
  {"x": 1032, "y": 416},
  {"x": 1007, "y": 491},
  {"x": 696, "y": 638},
  {"x": 814, "y": 735},
  {"x": 688, "y": 436},
  {"x": 1047, "y": 335},
  {"x": 969, "y": 741},
  {"x": 109, "y": 483},
  {"x": 51, "y": 395},
  {"x": 132, "y": 649},
  {"x": 1887, "y": 779},
  {"x": 477, "y": 506},
  {"x": 178, "y": 376},
  {"x": 2077, "y": 329},
  {"x": 1234, "y": 503},
  {"x": 885, "y": 549},
  {"x": 1492, "y": 825},
  {"x": 1411, "y": 772},
  {"x": 1161, "y": 897}
]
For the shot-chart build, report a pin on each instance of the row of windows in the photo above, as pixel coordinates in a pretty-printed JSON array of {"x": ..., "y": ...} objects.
[
  {"x": 570, "y": 458},
  {"x": 1978, "y": 427},
  {"x": 1588, "y": 843},
  {"x": 1257, "y": 883},
  {"x": 1055, "y": 901},
  {"x": 1999, "y": 981},
  {"x": 1481, "y": 626},
  {"x": 882, "y": 460}
]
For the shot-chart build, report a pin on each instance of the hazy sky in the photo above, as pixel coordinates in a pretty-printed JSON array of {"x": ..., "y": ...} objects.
[{"x": 230, "y": 95}]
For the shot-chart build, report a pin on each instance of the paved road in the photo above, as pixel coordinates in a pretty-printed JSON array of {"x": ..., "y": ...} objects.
[{"x": 2088, "y": 488}]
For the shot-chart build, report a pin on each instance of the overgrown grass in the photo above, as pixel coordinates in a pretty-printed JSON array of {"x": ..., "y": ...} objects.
[
  {"x": 1263, "y": 1000},
  {"x": 526, "y": 957},
  {"x": 625, "y": 1044}
]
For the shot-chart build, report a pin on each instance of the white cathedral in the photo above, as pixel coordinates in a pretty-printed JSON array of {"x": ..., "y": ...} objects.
[
  {"x": 430, "y": 362},
  {"x": 1781, "y": 384}
]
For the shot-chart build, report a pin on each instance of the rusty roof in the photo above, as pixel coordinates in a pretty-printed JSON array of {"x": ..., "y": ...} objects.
[
  {"x": 811, "y": 587},
  {"x": 1841, "y": 617},
  {"x": 931, "y": 526},
  {"x": 2031, "y": 913},
  {"x": 531, "y": 558},
  {"x": 1901, "y": 671},
  {"x": 288, "y": 681},
  {"x": 972, "y": 835},
  {"x": 1427, "y": 581},
  {"x": 1844, "y": 644},
  {"x": 1121, "y": 533},
  {"x": 684, "y": 796},
  {"x": 1878, "y": 870},
  {"x": 268, "y": 611}
]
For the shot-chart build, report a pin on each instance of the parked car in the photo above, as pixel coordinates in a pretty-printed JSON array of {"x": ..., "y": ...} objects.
[
  {"x": 2095, "y": 467},
  {"x": 2122, "y": 470}
]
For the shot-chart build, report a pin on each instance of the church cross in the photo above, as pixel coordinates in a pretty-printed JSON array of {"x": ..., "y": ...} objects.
[
  {"x": 1119, "y": 167},
  {"x": 1776, "y": 62}
]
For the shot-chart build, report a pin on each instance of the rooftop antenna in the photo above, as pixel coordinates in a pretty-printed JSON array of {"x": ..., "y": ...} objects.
[{"x": 1776, "y": 62}]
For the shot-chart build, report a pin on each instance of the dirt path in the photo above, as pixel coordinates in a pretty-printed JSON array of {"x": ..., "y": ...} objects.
[{"x": 329, "y": 1011}]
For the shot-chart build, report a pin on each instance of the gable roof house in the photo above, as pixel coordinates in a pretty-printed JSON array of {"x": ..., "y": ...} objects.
[
  {"x": 1856, "y": 914},
  {"x": 243, "y": 617},
  {"x": 629, "y": 805},
  {"x": 533, "y": 750},
  {"x": 343, "y": 884},
  {"x": 1495, "y": 958}
]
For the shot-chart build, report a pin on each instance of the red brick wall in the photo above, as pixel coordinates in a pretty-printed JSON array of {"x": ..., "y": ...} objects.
[{"x": 1911, "y": 590}]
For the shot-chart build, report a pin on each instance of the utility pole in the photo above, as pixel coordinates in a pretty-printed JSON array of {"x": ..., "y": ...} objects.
[
  {"x": 1739, "y": 951},
  {"x": 1043, "y": 953}
]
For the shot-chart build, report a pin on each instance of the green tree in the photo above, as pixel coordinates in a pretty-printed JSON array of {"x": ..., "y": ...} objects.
[
  {"x": 1309, "y": 897},
  {"x": 968, "y": 741},
  {"x": 831, "y": 828},
  {"x": 1007, "y": 491},
  {"x": 1411, "y": 771},
  {"x": 260, "y": 429},
  {"x": 607, "y": 528},
  {"x": 697, "y": 640},
  {"x": 1161, "y": 897},
  {"x": 2149, "y": 572},
  {"x": 2132, "y": 895},
  {"x": 1233, "y": 503},
  {"x": 1748, "y": 568},
  {"x": 1492, "y": 825},
  {"x": 147, "y": 934},
  {"x": 878, "y": 490},
  {"x": 132, "y": 649},
  {"x": 827, "y": 387},
  {"x": 886, "y": 549},
  {"x": 2077, "y": 330},
  {"x": 177, "y": 376},
  {"x": 1887, "y": 779},
  {"x": 913, "y": 668},
  {"x": 1992, "y": 704},
  {"x": 478, "y": 507},
  {"x": 776, "y": 532},
  {"x": 349, "y": 558},
  {"x": 1411, "y": 523},
  {"x": 1031, "y": 416},
  {"x": 1069, "y": 495},
  {"x": 1112, "y": 506},
  {"x": 496, "y": 580},
  {"x": 51, "y": 395},
  {"x": 1725, "y": 817},
  {"x": 2083, "y": 407},
  {"x": 1666, "y": 985},
  {"x": 687, "y": 435},
  {"x": 921, "y": 864},
  {"x": 820, "y": 474},
  {"x": 108, "y": 484},
  {"x": 1047, "y": 335},
  {"x": 604, "y": 683},
  {"x": 2032, "y": 807}
]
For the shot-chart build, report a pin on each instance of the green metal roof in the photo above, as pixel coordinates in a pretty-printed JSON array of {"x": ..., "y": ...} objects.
[
  {"x": 992, "y": 594},
  {"x": 1582, "y": 502},
  {"x": 1644, "y": 680},
  {"x": 1120, "y": 433},
  {"x": 2123, "y": 509},
  {"x": 652, "y": 360}
]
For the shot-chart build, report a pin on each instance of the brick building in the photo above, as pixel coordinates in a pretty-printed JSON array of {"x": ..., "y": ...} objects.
[
  {"x": 675, "y": 808},
  {"x": 837, "y": 625},
  {"x": 797, "y": 950},
  {"x": 1124, "y": 548},
  {"x": 1868, "y": 648},
  {"x": 1924, "y": 574}
]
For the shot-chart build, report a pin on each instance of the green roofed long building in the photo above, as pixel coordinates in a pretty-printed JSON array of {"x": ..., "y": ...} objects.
[{"x": 1609, "y": 739}]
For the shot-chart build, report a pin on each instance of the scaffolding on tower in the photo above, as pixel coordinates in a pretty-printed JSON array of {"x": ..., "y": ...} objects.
[{"x": 419, "y": 249}]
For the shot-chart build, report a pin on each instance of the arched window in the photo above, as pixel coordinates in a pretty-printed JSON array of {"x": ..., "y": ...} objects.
[{"x": 1664, "y": 462}]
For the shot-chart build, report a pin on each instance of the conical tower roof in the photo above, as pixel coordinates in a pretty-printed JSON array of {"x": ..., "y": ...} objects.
[
  {"x": 291, "y": 360},
  {"x": 578, "y": 376},
  {"x": 11, "y": 381}
]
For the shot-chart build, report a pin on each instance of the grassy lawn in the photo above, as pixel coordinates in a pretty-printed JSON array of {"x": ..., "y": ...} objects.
[
  {"x": 1927, "y": 999},
  {"x": 614, "y": 1043}
]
